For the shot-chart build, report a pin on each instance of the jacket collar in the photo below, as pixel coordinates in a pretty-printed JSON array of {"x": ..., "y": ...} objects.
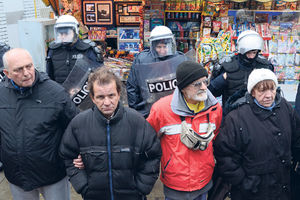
[
  {"x": 179, "y": 107},
  {"x": 39, "y": 77},
  {"x": 115, "y": 118},
  {"x": 260, "y": 112}
]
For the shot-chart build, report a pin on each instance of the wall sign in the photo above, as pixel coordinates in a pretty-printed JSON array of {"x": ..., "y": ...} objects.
[{"x": 127, "y": 14}]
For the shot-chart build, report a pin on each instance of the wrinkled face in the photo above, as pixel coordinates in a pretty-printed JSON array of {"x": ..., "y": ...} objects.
[
  {"x": 196, "y": 91},
  {"x": 161, "y": 49},
  {"x": 251, "y": 54},
  {"x": 20, "y": 68},
  {"x": 106, "y": 98},
  {"x": 264, "y": 97}
]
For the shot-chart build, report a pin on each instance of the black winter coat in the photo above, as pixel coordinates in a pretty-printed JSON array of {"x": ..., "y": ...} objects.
[
  {"x": 120, "y": 155},
  {"x": 253, "y": 150},
  {"x": 31, "y": 126}
]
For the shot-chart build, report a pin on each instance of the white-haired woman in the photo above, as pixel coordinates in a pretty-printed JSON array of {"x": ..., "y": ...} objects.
[{"x": 258, "y": 141}]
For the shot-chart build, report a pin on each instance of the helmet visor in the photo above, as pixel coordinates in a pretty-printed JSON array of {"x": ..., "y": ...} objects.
[
  {"x": 64, "y": 35},
  {"x": 163, "y": 47}
]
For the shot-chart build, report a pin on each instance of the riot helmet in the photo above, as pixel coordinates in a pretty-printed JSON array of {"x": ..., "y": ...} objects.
[
  {"x": 162, "y": 42},
  {"x": 66, "y": 29},
  {"x": 249, "y": 40},
  {"x": 3, "y": 48}
]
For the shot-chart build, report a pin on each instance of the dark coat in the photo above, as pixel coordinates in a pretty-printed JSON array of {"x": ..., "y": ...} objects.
[
  {"x": 134, "y": 94},
  {"x": 120, "y": 155},
  {"x": 32, "y": 124},
  {"x": 296, "y": 173},
  {"x": 253, "y": 150},
  {"x": 297, "y": 100}
]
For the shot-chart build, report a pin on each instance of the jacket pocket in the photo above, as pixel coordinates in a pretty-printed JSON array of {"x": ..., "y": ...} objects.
[
  {"x": 165, "y": 166},
  {"x": 124, "y": 171},
  {"x": 94, "y": 158}
]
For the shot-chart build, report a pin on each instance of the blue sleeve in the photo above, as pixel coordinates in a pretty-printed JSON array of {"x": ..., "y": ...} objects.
[
  {"x": 91, "y": 54},
  {"x": 217, "y": 85}
]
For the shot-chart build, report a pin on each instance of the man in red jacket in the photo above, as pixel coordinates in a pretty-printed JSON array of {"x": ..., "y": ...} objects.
[{"x": 187, "y": 122}]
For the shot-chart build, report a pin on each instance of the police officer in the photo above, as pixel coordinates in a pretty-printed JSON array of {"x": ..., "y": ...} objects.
[
  {"x": 231, "y": 78},
  {"x": 67, "y": 48},
  {"x": 162, "y": 48}
]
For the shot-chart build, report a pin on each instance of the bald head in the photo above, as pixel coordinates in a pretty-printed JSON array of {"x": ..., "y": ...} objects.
[
  {"x": 13, "y": 53},
  {"x": 18, "y": 66}
]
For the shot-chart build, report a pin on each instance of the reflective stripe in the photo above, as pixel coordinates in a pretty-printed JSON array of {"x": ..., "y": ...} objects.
[
  {"x": 176, "y": 128},
  {"x": 172, "y": 129},
  {"x": 204, "y": 126}
]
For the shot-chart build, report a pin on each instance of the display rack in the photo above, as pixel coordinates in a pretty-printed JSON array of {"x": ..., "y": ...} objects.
[{"x": 185, "y": 25}]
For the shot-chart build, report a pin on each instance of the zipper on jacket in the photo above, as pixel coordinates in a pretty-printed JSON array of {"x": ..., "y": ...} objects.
[
  {"x": 163, "y": 172},
  {"x": 109, "y": 160}
]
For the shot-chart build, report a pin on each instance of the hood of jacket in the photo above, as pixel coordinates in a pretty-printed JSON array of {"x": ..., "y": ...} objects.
[{"x": 179, "y": 106}]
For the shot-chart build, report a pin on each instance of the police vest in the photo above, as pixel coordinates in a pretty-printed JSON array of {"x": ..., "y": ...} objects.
[
  {"x": 64, "y": 57},
  {"x": 237, "y": 77}
]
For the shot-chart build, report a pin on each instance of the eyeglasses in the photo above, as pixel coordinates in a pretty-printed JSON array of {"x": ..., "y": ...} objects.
[{"x": 198, "y": 84}]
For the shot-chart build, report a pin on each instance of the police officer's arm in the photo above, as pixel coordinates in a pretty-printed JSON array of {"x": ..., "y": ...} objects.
[
  {"x": 133, "y": 91},
  {"x": 49, "y": 65},
  {"x": 218, "y": 84},
  {"x": 69, "y": 150},
  {"x": 94, "y": 53},
  {"x": 95, "y": 56}
]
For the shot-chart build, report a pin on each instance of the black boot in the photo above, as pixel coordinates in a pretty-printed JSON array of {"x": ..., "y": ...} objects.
[{"x": 1, "y": 166}]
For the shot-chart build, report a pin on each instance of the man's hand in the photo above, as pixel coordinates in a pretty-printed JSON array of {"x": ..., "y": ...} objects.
[
  {"x": 78, "y": 162},
  {"x": 225, "y": 75}
]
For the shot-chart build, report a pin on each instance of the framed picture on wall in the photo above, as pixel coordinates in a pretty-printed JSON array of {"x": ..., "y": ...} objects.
[
  {"x": 90, "y": 17},
  {"x": 98, "y": 12},
  {"x": 104, "y": 12},
  {"x": 90, "y": 7}
]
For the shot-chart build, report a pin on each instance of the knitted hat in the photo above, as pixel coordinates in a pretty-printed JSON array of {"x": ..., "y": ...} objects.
[
  {"x": 187, "y": 72},
  {"x": 258, "y": 75}
]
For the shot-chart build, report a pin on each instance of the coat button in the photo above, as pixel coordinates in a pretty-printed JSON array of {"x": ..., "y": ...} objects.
[
  {"x": 285, "y": 188},
  {"x": 282, "y": 161},
  {"x": 279, "y": 134},
  {"x": 274, "y": 114}
]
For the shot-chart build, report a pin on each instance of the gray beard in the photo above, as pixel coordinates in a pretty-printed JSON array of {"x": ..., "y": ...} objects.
[{"x": 198, "y": 98}]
